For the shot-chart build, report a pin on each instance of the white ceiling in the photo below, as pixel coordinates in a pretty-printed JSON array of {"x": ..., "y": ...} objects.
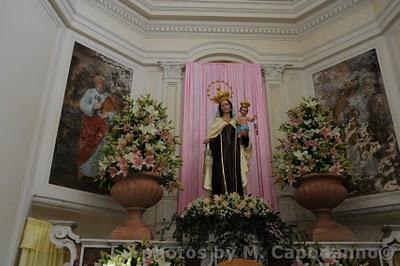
[{"x": 232, "y": 10}]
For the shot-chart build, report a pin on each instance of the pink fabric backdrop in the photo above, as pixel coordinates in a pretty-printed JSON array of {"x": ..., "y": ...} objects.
[{"x": 199, "y": 112}]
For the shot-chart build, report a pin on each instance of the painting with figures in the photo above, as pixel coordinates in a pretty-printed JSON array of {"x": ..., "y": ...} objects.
[
  {"x": 96, "y": 88},
  {"x": 354, "y": 89}
]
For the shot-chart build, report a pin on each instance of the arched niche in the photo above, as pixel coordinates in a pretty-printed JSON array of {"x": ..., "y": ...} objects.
[{"x": 223, "y": 58}]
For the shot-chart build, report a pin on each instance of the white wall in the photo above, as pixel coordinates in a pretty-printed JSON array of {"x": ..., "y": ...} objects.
[
  {"x": 392, "y": 37},
  {"x": 28, "y": 38}
]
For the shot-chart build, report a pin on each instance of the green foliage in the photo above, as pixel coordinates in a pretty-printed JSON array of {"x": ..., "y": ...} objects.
[
  {"x": 233, "y": 221},
  {"x": 139, "y": 254}
]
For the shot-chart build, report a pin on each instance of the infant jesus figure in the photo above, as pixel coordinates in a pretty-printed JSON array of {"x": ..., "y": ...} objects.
[{"x": 242, "y": 127}]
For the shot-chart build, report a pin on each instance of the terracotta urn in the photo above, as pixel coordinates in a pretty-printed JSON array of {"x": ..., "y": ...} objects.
[
  {"x": 321, "y": 193},
  {"x": 136, "y": 194}
]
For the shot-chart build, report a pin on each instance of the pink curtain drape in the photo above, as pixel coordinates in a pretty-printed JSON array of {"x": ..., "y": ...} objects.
[{"x": 199, "y": 112}]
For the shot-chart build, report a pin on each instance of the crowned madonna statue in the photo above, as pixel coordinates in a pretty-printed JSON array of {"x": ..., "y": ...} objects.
[{"x": 228, "y": 149}]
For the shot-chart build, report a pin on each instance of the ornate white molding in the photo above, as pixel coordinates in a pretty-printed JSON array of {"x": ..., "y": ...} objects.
[
  {"x": 391, "y": 234},
  {"x": 62, "y": 236},
  {"x": 376, "y": 203},
  {"x": 390, "y": 242},
  {"x": 172, "y": 70},
  {"x": 341, "y": 9},
  {"x": 273, "y": 72},
  {"x": 259, "y": 9},
  {"x": 257, "y": 30}
]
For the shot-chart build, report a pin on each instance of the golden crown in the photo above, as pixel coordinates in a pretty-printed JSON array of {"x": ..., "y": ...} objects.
[
  {"x": 245, "y": 103},
  {"x": 221, "y": 94}
]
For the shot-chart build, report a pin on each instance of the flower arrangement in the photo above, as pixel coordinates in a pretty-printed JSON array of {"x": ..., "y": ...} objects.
[
  {"x": 313, "y": 142},
  {"x": 232, "y": 221},
  {"x": 139, "y": 254},
  {"x": 141, "y": 139}
]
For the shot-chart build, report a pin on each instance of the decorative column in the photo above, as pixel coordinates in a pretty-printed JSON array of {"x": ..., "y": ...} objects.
[
  {"x": 273, "y": 75},
  {"x": 172, "y": 96},
  {"x": 172, "y": 91}
]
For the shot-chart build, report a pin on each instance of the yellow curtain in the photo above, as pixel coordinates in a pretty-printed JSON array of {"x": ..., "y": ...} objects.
[
  {"x": 396, "y": 259},
  {"x": 36, "y": 248}
]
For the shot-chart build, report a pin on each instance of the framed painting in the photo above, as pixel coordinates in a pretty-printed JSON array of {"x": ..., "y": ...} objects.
[
  {"x": 354, "y": 89},
  {"x": 96, "y": 88}
]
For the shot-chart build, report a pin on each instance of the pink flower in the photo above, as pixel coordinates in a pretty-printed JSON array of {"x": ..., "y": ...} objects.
[
  {"x": 165, "y": 135},
  {"x": 326, "y": 132},
  {"x": 144, "y": 137},
  {"x": 149, "y": 161},
  {"x": 293, "y": 122},
  {"x": 122, "y": 143},
  {"x": 302, "y": 169},
  {"x": 127, "y": 127},
  {"x": 148, "y": 262},
  {"x": 240, "y": 206},
  {"x": 291, "y": 179},
  {"x": 149, "y": 152},
  {"x": 285, "y": 144},
  {"x": 113, "y": 171},
  {"x": 298, "y": 263},
  {"x": 336, "y": 168},
  {"x": 129, "y": 137},
  {"x": 330, "y": 261},
  {"x": 156, "y": 170},
  {"x": 123, "y": 166},
  {"x": 333, "y": 153},
  {"x": 335, "y": 133},
  {"x": 310, "y": 143},
  {"x": 137, "y": 161},
  {"x": 298, "y": 135}
]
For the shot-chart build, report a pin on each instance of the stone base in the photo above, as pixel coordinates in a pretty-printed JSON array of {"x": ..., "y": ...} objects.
[
  {"x": 326, "y": 229},
  {"x": 134, "y": 228}
]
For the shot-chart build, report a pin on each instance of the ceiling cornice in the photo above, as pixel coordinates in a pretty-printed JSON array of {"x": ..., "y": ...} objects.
[
  {"x": 256, "y": 30},
  {"x": 250, "y": 9}
]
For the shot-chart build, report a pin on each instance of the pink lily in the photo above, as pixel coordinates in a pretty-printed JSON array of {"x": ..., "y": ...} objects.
[{"x": 123, "y": 166}]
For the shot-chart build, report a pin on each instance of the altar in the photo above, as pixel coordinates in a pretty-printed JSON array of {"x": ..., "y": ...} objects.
[{"x": 83, "y": 251}]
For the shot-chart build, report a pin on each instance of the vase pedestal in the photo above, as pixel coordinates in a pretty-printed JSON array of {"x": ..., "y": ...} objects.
[
  {"x": 134, "y": 227},
  {"x": 326, "y": 229}
]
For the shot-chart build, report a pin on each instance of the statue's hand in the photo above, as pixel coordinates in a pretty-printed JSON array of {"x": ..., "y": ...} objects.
[
  {"x": 104, "y": 115},
  {"x": 206, "y": 141}
]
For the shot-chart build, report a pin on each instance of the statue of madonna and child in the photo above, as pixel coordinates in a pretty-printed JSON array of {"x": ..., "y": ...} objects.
[{"x": 228, "y": 147}]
